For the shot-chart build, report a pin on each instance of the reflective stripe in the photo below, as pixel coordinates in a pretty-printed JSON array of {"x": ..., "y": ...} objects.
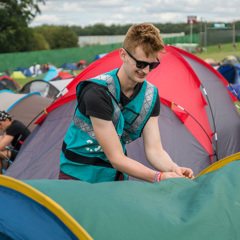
[
  {"x": 148, "y": 99},
  {"x": 87, "y": 128},
  {"x": 147, "y": 103},
  {"x": 110, "y": 83},
  {"x": 112, "y": 89}
]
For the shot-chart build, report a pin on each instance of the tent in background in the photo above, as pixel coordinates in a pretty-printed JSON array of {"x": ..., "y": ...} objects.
[
  {"x": 196, "y": 129},
  {"x": 17, "y": 75},
  {"x": 231, "y": 59},
  {"x": 25, "y": 71},
  {"x": 231, "y": 72},
  {"x": 46, "y": 89},
  {"x": 8, "y": 83},
  {"x": 71, "y": 66},
  {"x": 99, "y": 56},
  {"x": 62, "y": 75},
  {"x": 82, "y": 64},
  {"x": 52, "y": 72},
  {"x": 50, "y": 89},
  {"x": 26, "y": 108}
]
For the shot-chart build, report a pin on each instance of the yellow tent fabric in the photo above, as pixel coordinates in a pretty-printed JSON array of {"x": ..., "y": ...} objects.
[{"x": 17, "y": 75}]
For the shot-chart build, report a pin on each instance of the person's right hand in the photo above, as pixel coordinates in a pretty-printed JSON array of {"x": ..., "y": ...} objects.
[{"x": 166, "y": 175}]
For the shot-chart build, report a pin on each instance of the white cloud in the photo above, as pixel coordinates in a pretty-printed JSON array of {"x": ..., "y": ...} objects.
[{"x": 86, "y": 12}]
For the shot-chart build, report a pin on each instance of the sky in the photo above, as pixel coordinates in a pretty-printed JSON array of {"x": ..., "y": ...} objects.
[{"x": 120, "y": 12}]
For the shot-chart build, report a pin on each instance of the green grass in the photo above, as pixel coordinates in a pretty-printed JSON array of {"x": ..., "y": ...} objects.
[{"x": 214, "y": 53}]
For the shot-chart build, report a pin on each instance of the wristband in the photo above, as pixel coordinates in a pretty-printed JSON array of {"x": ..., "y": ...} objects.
[{"x": 158, "y": 176}]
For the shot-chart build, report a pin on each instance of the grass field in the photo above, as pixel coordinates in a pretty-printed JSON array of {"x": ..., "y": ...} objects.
[{"x": 214, "y": 53}]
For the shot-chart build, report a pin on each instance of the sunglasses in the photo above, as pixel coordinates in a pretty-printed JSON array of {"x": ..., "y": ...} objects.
[{"x": 142, "y": 64}]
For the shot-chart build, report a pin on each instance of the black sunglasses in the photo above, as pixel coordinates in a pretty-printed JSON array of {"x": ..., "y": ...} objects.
[{"x": 142, "y": 64}]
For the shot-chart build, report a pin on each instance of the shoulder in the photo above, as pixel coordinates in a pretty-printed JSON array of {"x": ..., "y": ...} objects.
[{"x": 15, "y": 128}]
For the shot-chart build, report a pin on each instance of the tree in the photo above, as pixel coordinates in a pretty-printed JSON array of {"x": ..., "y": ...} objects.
[
  {"x": 64, "y": 37},
  {"x": 58, "y": 36},
  {"x": 14, "y": 19}
]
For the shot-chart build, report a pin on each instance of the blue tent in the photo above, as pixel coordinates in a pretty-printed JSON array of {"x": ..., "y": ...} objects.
[
  {"x": 69, "y": 66},
  {"x": 206, "y": 207},
  {"x": 25, "y": 71},
  {"x": 51, "y": 74},
  {"x": 99, "y": 56},
  {"x": 230, "y": 72}
]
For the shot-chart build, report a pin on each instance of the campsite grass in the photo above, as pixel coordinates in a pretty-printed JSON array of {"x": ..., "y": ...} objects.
[{"x": 214, "y": 53}]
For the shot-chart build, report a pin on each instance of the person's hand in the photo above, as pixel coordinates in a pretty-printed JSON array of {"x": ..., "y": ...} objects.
[
  {"x": 186, "y": 172},
  {"x": 166, "y": 175}
]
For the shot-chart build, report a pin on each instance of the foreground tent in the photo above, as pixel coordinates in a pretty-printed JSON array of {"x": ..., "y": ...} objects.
[
  {"x": 26, "y": 108},
  {"x": 198, "y": 121},
  {"x": 204, "y": 208}
]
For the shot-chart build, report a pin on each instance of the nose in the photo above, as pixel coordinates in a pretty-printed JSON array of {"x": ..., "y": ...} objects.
[{"x": 146, "y": 70}]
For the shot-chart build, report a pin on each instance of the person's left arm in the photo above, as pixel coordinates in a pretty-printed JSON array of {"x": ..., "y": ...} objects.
[
  {"x": 5, "y": 141},
  {"x": 155, "y": 153}
]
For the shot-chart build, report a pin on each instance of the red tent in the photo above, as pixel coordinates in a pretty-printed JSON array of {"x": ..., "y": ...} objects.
[
  {"x": 8, "y": 83},
  {"x": 198, "y": 121}
]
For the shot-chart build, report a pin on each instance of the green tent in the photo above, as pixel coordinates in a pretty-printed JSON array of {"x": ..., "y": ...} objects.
[{"x": 207, "y": 207}]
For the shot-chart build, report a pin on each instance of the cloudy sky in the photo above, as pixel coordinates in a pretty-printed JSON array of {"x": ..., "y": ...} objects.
[{"x": 89, "y": 12}]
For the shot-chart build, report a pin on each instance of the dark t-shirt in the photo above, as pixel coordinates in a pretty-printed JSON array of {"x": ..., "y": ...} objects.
[
  {"x": 94, "y": 101},
  {"x": 16, "y": 129}
]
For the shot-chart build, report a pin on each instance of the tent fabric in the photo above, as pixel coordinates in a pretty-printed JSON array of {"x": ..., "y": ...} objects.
[
  {"x": 187, "y": 132},
  {"x": 62, "y": 75},
  {"x": 222, "y": 114},
  {"x": 32, "y": 215},
  {"x": 46, "y": 89},
  {"x": 25, "y": 71},
  {"x": 231, "y": 59},
  {"x": 8, "y": 99},
  {"x": 69, "y": 66},
  {"x": 41, "y": 160},
  {"x": 52, "y": 72},
  {"x": 24, "y": 107},
  {"x": 204, "y": 208},
  {"x": 8, "y": 83},
  {"x": 99, "y": 56},
  {"x": 230, "y": 72},
  {"x": 17, "y": 75}
]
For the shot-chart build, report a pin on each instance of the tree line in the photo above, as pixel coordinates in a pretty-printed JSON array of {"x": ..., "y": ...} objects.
[{"x": 17, "y": 36}]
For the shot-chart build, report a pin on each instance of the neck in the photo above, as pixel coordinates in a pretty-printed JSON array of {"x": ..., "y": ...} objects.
[{"x": 126, "y": 84}]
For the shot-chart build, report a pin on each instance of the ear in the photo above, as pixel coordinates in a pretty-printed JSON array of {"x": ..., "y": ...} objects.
[{"x": 122, "y": 54}]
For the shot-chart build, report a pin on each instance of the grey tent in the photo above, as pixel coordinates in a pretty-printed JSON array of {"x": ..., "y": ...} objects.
[
  {"x": 197, "y": 129},
  {"x": 45, "y": 89},
  {"x": 26, "y": 108}
]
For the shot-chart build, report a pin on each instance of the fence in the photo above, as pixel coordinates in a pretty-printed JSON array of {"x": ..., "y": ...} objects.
[
  {"x": 73, "y": 55},
  {"x": 56, "y": 57}
]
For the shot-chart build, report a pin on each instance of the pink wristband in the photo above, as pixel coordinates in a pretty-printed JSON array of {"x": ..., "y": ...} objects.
[{"x": 158, "y": 176}]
